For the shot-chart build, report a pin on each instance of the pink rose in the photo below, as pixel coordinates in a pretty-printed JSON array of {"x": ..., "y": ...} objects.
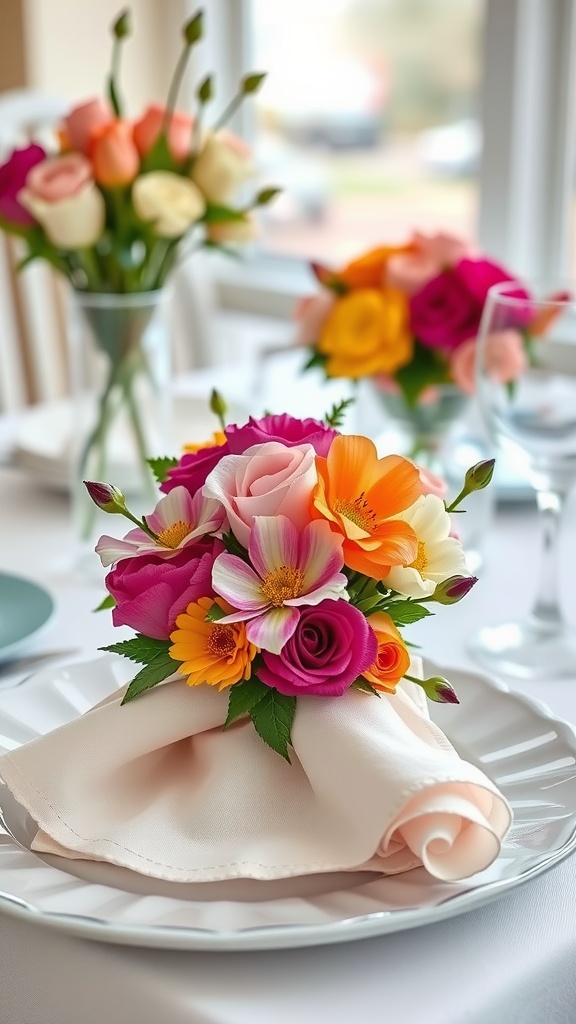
[
  {"x": 330, "y": 647},
  {"x": 150, "y": 591},
  {"x": 431, "y": 482},
  {"x": 310, "y": 315},
  {"x": 193, "y": 468},
  {"x": 430, "y": 255},
  {"x": 283, "y": 428},
  {"x": 82, "y": 119},
  {"x": 13, "y": 175},
  {"x": 268, "y": 480},
  {"x": 59, "y": 177},
  {"x": 505, "y": 359},
  {"x": 479, "y": 275},
  {"x": 147, "y": 129}
]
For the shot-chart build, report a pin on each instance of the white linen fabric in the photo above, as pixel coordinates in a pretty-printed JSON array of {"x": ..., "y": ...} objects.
[{"x": 158, "y": 786}]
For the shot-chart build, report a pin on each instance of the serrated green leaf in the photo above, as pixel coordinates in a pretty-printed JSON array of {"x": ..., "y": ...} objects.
[
  {"x": 156, "y": 671},
  {"x": 243, "y": 697},
  {"x": 365, "y": 686},
  {"x": 105, "y": 603},
  {"x": 141, "y": 649},
  {"x": 161, "y": 465},
  {"x": 403, "y": 613},
  {"x": 272, "y": 717},
  {"x": 335, "y": 417}
]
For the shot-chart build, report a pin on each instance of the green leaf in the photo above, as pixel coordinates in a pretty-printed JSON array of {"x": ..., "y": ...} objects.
[
  {"x": 251, "y": 83},
  {"x": 272, "y": 717},
  {"x": 243, "y": 697},
  {"x": 234, "y": 546},
  {"x": 266, "y": 195},
  {"x": 316, "y": 359},
  {"x": 426, "y": 367},
  {"x": 214, "y": 613},
  {"x": 217, "y": 214},
  {"x": 161, "y": 465},
  {"x": 205, "y": 90},
  {"x": 403, "y": 613},
  {"x": 335, "y": 417},
  {"x": 159, "y": 157},
  {"x": 140, "y": 648},
  {"x": 105, "y": 603},
  {"x": 156, "y": 671},
  {"x": 365, "y": 686}
]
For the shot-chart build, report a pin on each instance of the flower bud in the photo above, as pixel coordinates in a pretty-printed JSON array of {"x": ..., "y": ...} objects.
[
  {"x": 218, "y": 405},
  {"x": 193, "y": 29},
  {"x": 439, "y": 690},
  {"x": 479, "y": 476},
  {"x": 106, "y": 496},
  {"x": 122, "y": 27},
  {"x": 251, "y": 83},
  {"x": 206, "y": 90},
  {"x": 266, "y": 195},
  {"x": 453, "y": 589}
]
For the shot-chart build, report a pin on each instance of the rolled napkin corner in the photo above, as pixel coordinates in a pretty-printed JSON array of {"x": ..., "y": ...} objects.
[{"x": 159, "y": 787}]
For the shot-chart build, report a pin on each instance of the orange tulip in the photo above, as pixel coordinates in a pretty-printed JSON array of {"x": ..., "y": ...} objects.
[
  {"x": 368, "y": 270},
  {"x": 359, "y": 494},
  {"x": 392, "y": 659},
  {"x": 148, "y": 127},
  {"x": 367, "y": 332},
  {"x": 115, "y": 159}
]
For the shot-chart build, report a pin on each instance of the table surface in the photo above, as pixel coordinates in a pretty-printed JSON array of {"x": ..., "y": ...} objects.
[{"x": 512, "y": 962}]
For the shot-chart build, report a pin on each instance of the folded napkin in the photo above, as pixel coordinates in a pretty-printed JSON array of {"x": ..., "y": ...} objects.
[{"x": 157, "y": 786}]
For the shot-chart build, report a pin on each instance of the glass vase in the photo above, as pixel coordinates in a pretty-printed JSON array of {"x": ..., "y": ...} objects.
[
  {"x": 434, "y": 432},
  {"x": 120, "y": 376}
]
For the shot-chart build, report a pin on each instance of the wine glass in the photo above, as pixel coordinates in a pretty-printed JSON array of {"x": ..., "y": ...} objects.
[{"x": 526, "y": 386}]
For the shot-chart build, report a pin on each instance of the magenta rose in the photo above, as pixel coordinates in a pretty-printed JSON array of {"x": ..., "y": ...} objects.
[
  {"x": 284, "y": 428},
  {"x": 150, "y": 591},
  {"x": 332, "y": 645},
  {"x": 13, "y": 176},
  {"x": 193, "y": 468}
]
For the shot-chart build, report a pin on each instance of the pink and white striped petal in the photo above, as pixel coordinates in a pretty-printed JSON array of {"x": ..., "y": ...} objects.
[
  {"x": 321, "y": 555},
  {"x": 270, "y": 631},
  {"x": 273, "y": 543},
  {"x": 333, "y": 591},
  {"x": 238, "y": 584}
]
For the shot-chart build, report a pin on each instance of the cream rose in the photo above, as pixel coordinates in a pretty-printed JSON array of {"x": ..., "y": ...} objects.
[
  {"x": 223, "y": 164},
  {"x": 173, "y": 203},
  {"x": 233, "y": 230},
  {"x": 269, "y": 479},
  {"x": 71, "y": 223}
]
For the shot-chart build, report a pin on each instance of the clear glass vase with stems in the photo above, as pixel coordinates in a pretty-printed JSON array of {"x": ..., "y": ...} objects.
[
  {"x": 432, "y": 431},
  {"x": 534, "y": 417},
  {"x": 120, "y": 374}
]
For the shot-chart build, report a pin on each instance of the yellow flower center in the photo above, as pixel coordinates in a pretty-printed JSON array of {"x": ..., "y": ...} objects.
[
  {"x": 282, "y": 584},
  {"x": 421, "y": 560},
  {"x": 221, "y": 641},
  {"x": 357, "y": 511},
  {"x": 174, "y": 534}
]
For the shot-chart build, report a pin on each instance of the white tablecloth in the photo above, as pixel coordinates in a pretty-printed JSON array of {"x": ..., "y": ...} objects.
[{"x": 512, "y": 962}]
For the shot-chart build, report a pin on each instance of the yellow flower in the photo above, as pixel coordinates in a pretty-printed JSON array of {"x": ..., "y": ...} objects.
[
  {"x": 218, "y": 438},
  {"x": 211, "y": 652},
  {"x": 367, "y": 332}
]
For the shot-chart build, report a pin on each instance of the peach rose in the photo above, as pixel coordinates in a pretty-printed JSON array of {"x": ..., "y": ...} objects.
[
  {"x": 505, "y": 359},
  {"x": 269, "y": 479},
  {"x": 392, "y": 660},
  {"x": 147, "y": 129},
  {"x": 222, "y": 165},
  {"x": 114, "y": 156},
  {"x": 310, "y": 315},
  {"x": 82, "y": 120},
  {"x": 427, "y": 257},
  {"x": 59, "y": 177}
]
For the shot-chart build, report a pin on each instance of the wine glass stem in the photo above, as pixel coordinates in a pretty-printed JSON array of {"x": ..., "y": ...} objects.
[{"x": 546, "y": 614}]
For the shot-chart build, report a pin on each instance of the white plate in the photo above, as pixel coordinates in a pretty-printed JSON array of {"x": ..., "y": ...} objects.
[
  {"x": 528, "y": 753},
  {"x": 25, "y": 608},
  {"x": 43, "y": 440}
]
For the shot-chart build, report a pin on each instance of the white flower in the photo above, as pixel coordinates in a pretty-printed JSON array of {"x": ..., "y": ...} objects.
[
  {"x": 439, "y": 555},
  {"x": 223, "y": 164},
  {"x": 71, "y": 223},
  {"x": 233, "y": 230},
  {"x": 172, "y": 202}
]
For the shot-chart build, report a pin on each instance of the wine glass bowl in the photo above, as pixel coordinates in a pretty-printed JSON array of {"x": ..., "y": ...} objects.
[{"x": 526, "y": 386}]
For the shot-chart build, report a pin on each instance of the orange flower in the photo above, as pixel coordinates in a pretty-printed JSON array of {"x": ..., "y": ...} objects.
[
  {"x": 368, "y": 270},
  {"x": 392, "y": 659},
  {"x": 218, "y": 438},
  {"x": 367, "y": 332},
  {"x": 359, "y": 494},
  {"x": 115, "y": 159},
  {"x": 211, "y": 652}
]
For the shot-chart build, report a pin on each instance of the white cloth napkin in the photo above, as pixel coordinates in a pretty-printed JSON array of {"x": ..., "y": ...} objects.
[{"x": 157, "y": 786}]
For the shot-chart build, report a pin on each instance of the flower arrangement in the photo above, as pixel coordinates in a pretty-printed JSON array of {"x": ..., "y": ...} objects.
[
  {"x": 282, "y": 560},
  {"x": 112, "y": 208},
  {"x": 408, "y": 317}
]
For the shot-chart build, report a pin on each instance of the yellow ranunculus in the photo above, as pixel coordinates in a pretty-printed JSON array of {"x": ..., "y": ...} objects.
[{"x": 367, "y": 332}]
